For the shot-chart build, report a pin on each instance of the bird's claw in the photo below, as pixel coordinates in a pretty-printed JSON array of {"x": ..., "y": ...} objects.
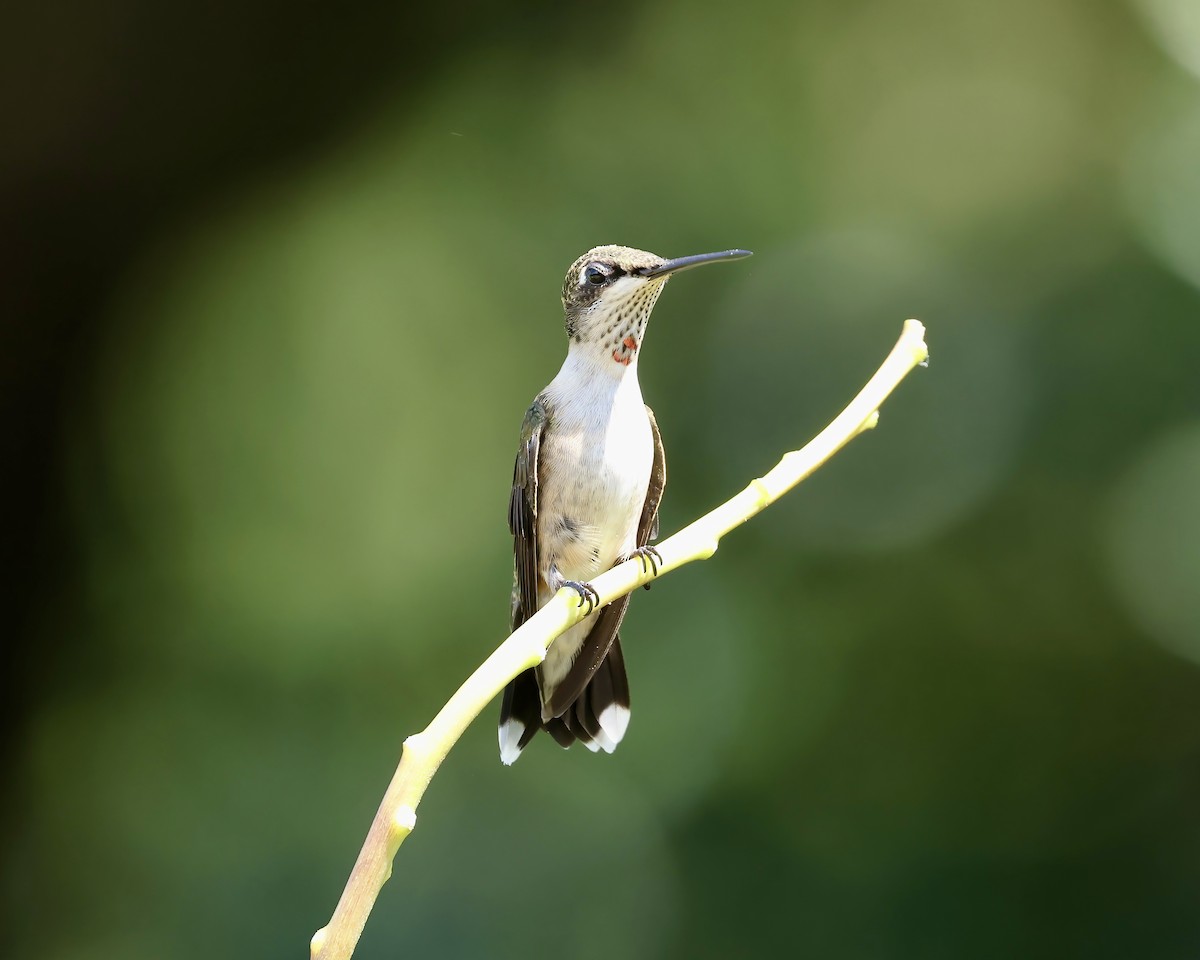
[
  {"x": 586, "y": 593},
  {"x": 650, "y": 558}
]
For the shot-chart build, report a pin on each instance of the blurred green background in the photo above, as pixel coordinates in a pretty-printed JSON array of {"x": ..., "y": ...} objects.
[{"x": 280, "y": 282}]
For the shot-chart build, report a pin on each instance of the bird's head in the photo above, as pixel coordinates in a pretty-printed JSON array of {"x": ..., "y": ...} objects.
[{"x": 609, "y": 292}]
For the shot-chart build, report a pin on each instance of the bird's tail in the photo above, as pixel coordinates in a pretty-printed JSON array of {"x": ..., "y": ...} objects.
[{"x": 597, "y": 718}]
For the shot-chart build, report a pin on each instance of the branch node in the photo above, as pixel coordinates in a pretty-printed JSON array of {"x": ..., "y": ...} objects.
[
  {"x": 535, "y": 651},
  {"x": 414, "y": 744},
  {"x": 404, "y": 820},
  {"x": 764, "y": 495},
  {"x": 317, "y": 942}
]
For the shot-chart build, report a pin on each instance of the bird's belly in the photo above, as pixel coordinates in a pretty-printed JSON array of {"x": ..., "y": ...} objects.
[
  {"x": 586, "y": 523},
  {"x": 593, "y": 498}
]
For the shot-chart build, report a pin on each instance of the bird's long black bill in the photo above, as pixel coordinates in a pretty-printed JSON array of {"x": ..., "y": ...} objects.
[{"x": 696, "y": 260}]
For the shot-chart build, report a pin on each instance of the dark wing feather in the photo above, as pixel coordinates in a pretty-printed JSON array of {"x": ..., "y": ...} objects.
[
  {"x": 522, "y": 702},
  {"x": 591, "y": 654},
  {"x": 648, "y": 524},
  {"x": 522, "y": 514},
  {"x": 600, "y": 638},
  {"x": 560, "y": 730}
]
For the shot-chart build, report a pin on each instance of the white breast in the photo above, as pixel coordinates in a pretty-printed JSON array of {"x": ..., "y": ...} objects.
[{"x": 596, "y": 457}]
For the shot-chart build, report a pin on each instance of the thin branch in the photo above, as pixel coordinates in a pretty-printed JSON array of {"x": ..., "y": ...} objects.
[{"x": 526, "y": 647}]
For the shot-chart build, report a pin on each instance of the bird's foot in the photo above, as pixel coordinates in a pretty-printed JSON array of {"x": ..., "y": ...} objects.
[
  {"x": 650, "y": 558},
  {"x": 587, "y": 593}
]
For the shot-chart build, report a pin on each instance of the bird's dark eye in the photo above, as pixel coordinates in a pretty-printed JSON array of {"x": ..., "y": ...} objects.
[{"x": 595, "y": 275}]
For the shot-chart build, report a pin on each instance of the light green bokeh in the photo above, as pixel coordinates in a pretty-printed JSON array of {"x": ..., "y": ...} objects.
[{"x": 1153, "y": 541}]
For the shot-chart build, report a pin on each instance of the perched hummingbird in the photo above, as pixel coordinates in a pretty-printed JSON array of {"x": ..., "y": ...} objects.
[{"x": 587, "y": 483}]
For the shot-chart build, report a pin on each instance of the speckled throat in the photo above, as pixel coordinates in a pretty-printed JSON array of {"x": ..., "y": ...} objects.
[{"x": 622, "y": 337}]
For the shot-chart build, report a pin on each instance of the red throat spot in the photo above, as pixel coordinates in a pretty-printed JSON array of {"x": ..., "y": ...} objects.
[{"x": 625, "y": 355}]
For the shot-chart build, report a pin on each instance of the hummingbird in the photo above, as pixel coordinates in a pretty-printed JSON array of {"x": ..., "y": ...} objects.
[{"x": 587, "y": 483}]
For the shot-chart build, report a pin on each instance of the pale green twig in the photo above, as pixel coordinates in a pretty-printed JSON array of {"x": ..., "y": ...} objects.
[{"x": 424, "y": 751}]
